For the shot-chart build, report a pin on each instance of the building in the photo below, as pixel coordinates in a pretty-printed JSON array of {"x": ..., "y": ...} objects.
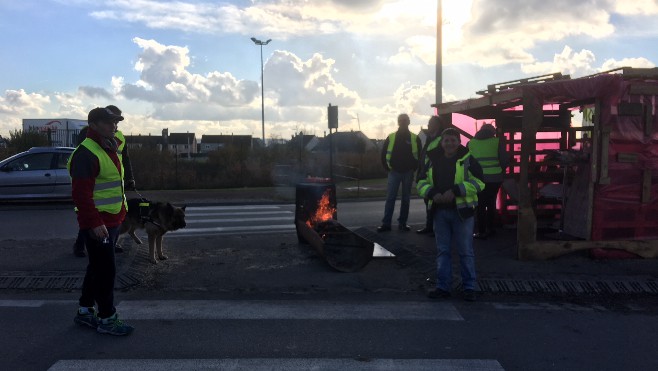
[{"x": 211, "y": 143}]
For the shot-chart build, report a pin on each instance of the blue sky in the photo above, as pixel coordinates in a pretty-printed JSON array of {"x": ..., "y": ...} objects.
[{"x": 191, "y": 66}]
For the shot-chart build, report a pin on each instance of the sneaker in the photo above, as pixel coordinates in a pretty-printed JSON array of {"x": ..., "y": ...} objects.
[
  {"x": 404, "y": 227},
  {"x": 437, "y": 293},
  {"x": 469, "y": 295},
  {"x": 87, "y": 317},
  {"x": 114, "y": 326}
]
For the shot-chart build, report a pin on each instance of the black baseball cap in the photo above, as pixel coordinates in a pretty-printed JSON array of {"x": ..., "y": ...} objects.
[{"x": 103, "y": 114}]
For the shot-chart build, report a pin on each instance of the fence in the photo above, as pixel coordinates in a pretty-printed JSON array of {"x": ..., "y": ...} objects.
[{"x": 59, "y": 137}]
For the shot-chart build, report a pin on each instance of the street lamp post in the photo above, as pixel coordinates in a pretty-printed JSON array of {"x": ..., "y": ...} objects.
[{"x": 262, "y": 90}]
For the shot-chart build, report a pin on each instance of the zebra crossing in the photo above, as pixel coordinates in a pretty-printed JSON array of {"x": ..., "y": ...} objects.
[
  {"x": 141, "y": 312},
  {"x": 235, "y": 219}
]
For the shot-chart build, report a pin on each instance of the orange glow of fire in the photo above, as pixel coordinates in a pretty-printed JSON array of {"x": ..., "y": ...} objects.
[{"x": 324, "y": 211}]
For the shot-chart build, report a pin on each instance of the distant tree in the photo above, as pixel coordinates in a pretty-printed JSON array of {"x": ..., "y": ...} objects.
[{"x": 21, "y": 140}]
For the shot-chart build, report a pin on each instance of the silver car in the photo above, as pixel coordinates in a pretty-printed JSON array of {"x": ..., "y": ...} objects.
[{"x": 38, "y": 173}]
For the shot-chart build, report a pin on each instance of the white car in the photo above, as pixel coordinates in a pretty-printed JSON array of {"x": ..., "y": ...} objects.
[{"x": 39, "y": 173}]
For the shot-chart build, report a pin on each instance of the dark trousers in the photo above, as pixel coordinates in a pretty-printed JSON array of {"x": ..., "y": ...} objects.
[
  {"x": 429, "y": 217},
  {"x": 80, "y": 241},
  {"x": 98, "y": 285},
  {"x": 486, "y": 210}
]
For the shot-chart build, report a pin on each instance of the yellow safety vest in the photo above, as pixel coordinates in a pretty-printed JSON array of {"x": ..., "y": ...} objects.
[
  {"x": 468, "y": 184},
  {"x": 391, "y": 142},
  {"x": 108, "y": 188},
  {"x": 486, "y": 152}
]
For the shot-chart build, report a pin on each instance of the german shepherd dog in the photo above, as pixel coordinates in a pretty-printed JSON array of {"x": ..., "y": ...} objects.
[{"x": 157, "y": 218}]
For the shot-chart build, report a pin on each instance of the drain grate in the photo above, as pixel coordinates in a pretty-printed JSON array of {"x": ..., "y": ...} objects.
[
  {"x": 575, "y": 287},
  {"x": 131, "y": 274}
]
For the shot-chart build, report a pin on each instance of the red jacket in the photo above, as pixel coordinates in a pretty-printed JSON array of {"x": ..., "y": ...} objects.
[{"x": 84, "y": 170}]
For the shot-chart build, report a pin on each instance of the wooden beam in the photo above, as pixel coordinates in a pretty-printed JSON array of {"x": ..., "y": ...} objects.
[
  {"x": 648, "y": 121},
  {"x": 643, "y": 89},
  {"x": 532, "y": 117},
  {"x": 646, "y": 186},
  {"x": 605, "y": 145},
  {"x": 594, "y": 163}
]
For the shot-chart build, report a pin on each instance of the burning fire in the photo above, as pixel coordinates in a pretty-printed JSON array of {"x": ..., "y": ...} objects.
[{"x": 324, "y": 211}]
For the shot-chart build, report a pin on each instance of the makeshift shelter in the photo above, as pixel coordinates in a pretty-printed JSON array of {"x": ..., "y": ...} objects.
[{"x": 603, "y": 172}]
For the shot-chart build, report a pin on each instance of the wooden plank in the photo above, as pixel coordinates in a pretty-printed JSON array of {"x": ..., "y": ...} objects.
[
  {"x": 630, "y": 109},
  {"x": 543, "y": 250},
  {"x": 643, "y": 89},
  {"x": 532, "y": 117},
  {"x": 646, "y": 186},
  {"x": 648, "y": 121},
  {"x": 605, "y": 145},
  {"x": 627, "y": 157},
  {"x": 594, "y": 160}
]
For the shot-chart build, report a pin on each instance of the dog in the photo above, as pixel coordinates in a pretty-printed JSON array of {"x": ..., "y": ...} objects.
[{"x": 157, "y": 218}]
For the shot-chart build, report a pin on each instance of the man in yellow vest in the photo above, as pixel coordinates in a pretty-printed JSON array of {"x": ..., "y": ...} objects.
[
  {"x": 434, "y": 128},
  {"x": 79, "y": 245},
  {"x": 492, "y": 156},
  {"x": 451, "y": 183},
  {"x": 98, "y": 194},
  {"x": 400, "y": 155}
]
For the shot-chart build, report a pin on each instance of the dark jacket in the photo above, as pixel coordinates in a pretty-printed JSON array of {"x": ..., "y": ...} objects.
[
  {"x": 402, "y": 158},
  {"x": 443, "y": 175}
]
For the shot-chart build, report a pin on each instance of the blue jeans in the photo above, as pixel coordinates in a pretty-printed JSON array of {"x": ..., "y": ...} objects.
[
  {"x": 449, "y": 228},
  {"x": 395, "y": 179}
]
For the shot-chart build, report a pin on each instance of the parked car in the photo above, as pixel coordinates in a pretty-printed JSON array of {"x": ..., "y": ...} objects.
[{"x": 38, "y": 173}]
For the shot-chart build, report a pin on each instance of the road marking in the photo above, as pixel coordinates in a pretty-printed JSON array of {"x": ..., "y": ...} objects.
[
  {"x": 235, "y": 207},
  {"x": 283, "y": 309},
  {"x": 181, "y": 232},
  {"x": 239, "y": 213},
  {"x": 275, "y": 364},
  {"x": 236, "y": 220},
  {"x": 548, "y": 306}
]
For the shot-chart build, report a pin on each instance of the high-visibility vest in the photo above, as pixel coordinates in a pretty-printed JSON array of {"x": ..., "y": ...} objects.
[
  {"x": 468, "y": 184},
  {"x": 391, "y": 142},
  {"x": 486, "y": 152},
  {"x": 119, "y": 135},
  {"x": 108, "y": 189}
]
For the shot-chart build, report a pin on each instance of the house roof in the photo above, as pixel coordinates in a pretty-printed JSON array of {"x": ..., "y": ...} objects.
[
  {"x": 182, "y": 138},
  {"x": 347, "y": 141},
  {"x": 239, "y": 140},
  {"x": 144, "y": 139}
]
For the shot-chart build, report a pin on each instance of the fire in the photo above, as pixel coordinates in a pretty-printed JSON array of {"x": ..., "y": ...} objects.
[{"x": 324, "y": 211}]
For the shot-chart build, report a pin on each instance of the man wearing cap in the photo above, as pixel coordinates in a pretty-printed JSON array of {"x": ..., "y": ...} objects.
[
  {"x": 98, "y": 194},
  {"x": 490, "y": 152},
  {"x": 129, "y": 181},
  {"x": 400, "y": 158}
]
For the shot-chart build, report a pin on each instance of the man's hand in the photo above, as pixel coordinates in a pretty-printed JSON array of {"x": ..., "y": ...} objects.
[{"x": 100, "y": 232}]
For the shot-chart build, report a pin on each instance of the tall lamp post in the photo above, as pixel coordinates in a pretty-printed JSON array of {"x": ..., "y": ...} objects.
[{"x": 262, "y": 90}]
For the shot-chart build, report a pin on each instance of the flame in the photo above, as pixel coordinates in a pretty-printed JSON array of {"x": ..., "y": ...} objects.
[{"x": 324, "y": 211}]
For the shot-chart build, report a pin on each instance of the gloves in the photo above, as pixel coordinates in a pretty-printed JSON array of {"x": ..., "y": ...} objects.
[{"x": 130, "y": 185}]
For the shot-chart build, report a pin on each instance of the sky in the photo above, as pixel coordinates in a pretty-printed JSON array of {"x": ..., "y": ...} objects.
[{"x": 190, "y": 66}]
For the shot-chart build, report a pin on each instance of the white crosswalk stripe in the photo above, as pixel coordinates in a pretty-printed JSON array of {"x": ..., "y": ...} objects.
[
  {"x": 275, "y": 364},
  {"x": 286, "y": 309},
  {"x": 234, "y": 219}
]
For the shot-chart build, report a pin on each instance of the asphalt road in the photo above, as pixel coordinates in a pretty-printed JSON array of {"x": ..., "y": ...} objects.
[{"x": 239, "y": 300}]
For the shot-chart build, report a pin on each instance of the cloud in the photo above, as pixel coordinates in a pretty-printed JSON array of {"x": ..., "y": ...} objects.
[
  {"x": 18, "y": 102},
  {"x": 305, "y": 83},
  {"x": 164, "y": 78},
  {"x": 581, "y": 63},
  {"x": 94, "y": 92},
  {"x": 502, "y": 32}
]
